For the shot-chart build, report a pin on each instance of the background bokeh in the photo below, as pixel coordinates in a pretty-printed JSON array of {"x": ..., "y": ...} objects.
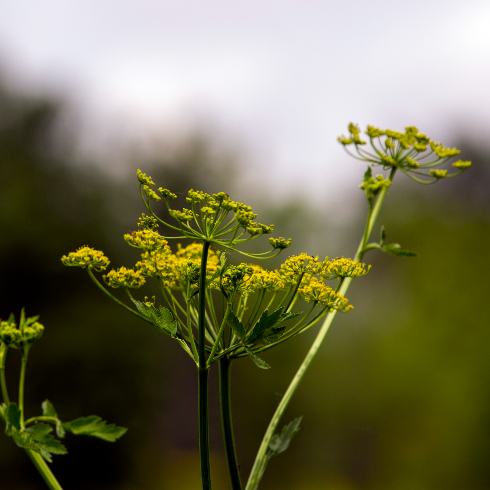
[{"x": 249, "y": 100}]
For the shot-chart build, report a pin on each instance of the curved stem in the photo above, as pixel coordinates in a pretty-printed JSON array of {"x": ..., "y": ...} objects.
[
  {"x": 226, "y": 422},
  {"x": 44, "y": 470},
  {"x": 254, "y": 478}
]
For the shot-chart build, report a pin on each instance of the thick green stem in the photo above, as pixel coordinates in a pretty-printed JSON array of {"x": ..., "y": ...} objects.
[
  {"x": 254, "y": 478},
  {"x": 44, "y": 470},
  {"x": 204, "y": 428},
  {"x": 225, "y": 406},
  {"x": 203, "y": 372}
]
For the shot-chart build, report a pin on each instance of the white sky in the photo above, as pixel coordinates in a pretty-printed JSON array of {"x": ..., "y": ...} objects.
[{"x": 284, "y": 77}]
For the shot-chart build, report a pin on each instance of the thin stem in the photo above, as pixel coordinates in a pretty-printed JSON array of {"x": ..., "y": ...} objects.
[
  {"x": 21, "y": 385},
  {"x": 3, "y": 358},
  {"x": 254, "y": 478},
  {"x": 226, "y": 422},
  {"x": 99, "y": 285},
  {"x": 223, "y": 323},
  {"x": 189, "y": 324},
  {"x": 44, "y": 470}
]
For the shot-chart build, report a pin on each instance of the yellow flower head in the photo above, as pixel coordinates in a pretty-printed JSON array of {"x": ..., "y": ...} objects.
[
  {"x": 147, "y": 240},
  {"x": 341, "y": 267},
  {"x": 122, "y": 277},
  {"x": 86, "y": 257},
  {"x": 297, "y": 265},
  {"x": 317, "y": 292}
]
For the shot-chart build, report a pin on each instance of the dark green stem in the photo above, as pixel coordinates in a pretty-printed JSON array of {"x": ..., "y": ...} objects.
[
  {"x": 203, "y": 372},
  {"x": 226, "y": 422}
]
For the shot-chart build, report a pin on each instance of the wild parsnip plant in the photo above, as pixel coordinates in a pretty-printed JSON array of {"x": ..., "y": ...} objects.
[
  {"x": 219, "y": 312},
  {"x": 34, "y": 435}
]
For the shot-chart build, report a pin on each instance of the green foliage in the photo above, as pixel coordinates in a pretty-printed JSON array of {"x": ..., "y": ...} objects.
[
  {"x": 161, "y": 318},
  {"x": 96, "y": 427},
  {"x": 278, "y": 444}
]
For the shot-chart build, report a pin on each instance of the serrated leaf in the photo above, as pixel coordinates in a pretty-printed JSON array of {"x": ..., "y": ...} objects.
[
  {"x": 165, "y": 321},
  {"x": 273, "y": 334},
  {"x": 395, "y": 249},
  {"x": 144, "y": 309},
  {"x": 39, "y": 430},
  {"x": 257, "y": 360},
  {"x": 12, "y": 418},
  {"x": 264, "y": 322},
  {"x": 280, "y": 442},
  {"x": 162, "y": 319},
  {"x": 236, "y": 325},
  {"x": 96, "y": 427}
]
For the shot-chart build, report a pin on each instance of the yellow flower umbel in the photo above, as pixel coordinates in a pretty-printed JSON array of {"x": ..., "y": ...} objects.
[
  {"x": 122, "y": 277},
  {"x": 340, "y": 268},
  {"x": 411, "y": 152},
  {"x": 320, "y": 294},
  {"x": 86, "y": 257}
]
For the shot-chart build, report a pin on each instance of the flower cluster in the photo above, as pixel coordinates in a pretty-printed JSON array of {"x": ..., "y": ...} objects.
[
  {"x": 147, "y": 240},
  {"x": 123, "y": 277},
  {"x": 319, "y": 293},
  {"x": 300, "y": 265},
  {"x": 26, "y": 333},
  {"x": 86, "y": 257},
  {"x": 340, "y": 268},
  {"x": 411, "y": 152}
]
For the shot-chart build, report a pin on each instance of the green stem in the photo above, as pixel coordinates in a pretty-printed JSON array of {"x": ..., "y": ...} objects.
[
  {"x": 220, "y": 333},
  {"x": 3, "y": 358},
  {"x": 44, "y": 470},
  {"x": 21, "y": 385},
  {"x": 254, "y": 477},
  {"x": 225, "y": 405},
  {"x": 203, "y": 372}
]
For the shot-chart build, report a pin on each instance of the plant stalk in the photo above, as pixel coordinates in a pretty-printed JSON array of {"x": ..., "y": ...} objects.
[
  {"x": 44, "y": 470},
  {"x": 226, "y": 422},
  {"x": 203, "y": 372},
  {"x": 254, "y": 477}
]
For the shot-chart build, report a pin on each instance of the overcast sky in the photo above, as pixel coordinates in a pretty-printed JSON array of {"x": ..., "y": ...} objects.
[{"x": 283, "y": 77}]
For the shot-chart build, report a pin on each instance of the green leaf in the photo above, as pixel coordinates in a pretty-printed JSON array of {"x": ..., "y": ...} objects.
[
  {"x": 383, "y": 235},
  {"x": 49, "y": 411},
  {"x": 162, "y": 319},
  {"x": 395, "y": 249},
  {"x": 144, "y": 309},
  {"x": 236, "y": 325},
  {"x": 39, "y": 439},
  {"x": 273, "y": 334},
  {"x": 264, "y": 322},
  {"x": 279, "y": 443},
  {"x": 12, "y": 418},
  {"x": 257, "y": 360},
  {"x": 96, "y": 427},
  {"x": 266, "y": 328},
  {"x": 368, "y": 174}
]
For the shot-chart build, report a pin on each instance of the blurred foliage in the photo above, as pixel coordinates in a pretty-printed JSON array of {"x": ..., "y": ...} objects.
[{"x": 398, "y": 397}]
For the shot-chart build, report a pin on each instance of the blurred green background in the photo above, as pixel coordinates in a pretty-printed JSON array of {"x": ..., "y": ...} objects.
[{"x": 398, "y": 397}]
